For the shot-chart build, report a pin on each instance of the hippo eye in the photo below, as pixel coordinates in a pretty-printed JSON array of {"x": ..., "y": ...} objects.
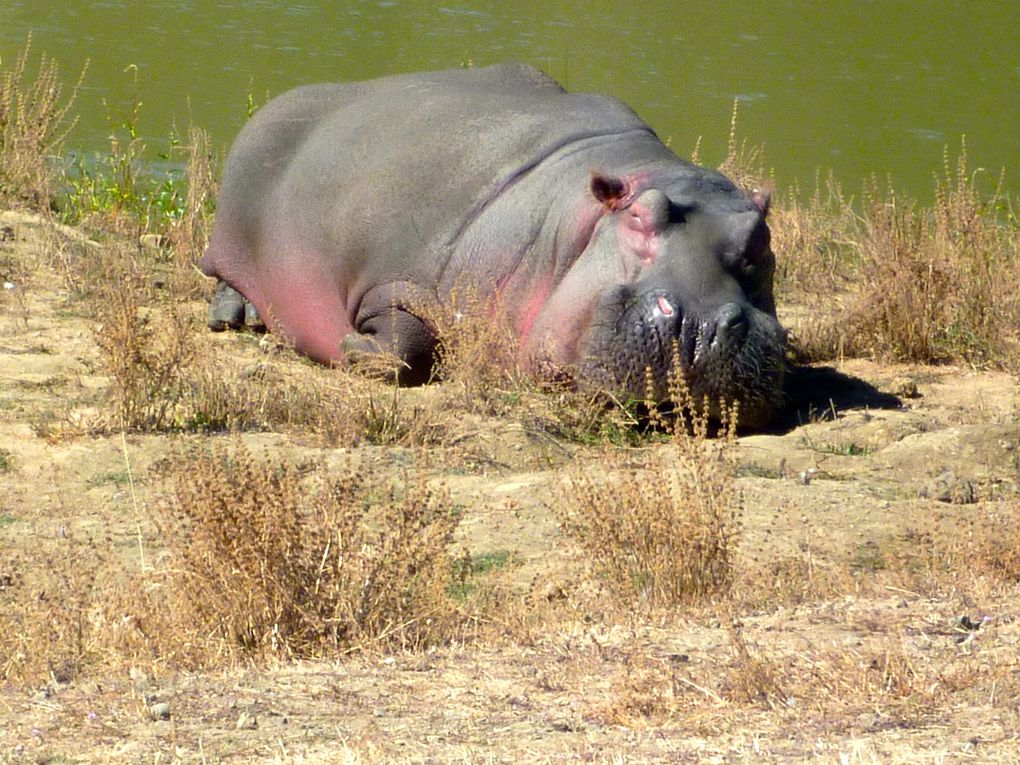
[
  {"x": 756, "y": 252},
  {"x": 678, "y": 214}
]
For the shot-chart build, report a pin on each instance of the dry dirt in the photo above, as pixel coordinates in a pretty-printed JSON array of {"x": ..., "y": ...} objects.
[{"x": 874, "y": 460}]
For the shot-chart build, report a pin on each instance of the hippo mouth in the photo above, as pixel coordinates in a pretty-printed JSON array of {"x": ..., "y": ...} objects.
[{"x": 731, "y": 351}]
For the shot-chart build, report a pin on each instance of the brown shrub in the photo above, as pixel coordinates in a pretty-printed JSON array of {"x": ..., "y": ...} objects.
[
  {"x": 814, "y": 242},
  {"x": 48, "y": 604},
  {"x": 263, "y": 562},
  {"x": 268, "y": 566},
  {"x": 753, "y": 678},
  {"x": 147, "y": 355}
]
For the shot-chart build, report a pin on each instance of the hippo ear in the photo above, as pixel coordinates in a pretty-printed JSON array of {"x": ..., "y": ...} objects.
[
  {"x": 762, "y": 198},
  {"x": 611, "y": 191}
]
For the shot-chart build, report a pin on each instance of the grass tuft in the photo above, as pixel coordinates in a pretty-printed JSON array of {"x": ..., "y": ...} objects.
[
  {"x": 925, "y": 285},
  {"x": 665, "y": 532}
]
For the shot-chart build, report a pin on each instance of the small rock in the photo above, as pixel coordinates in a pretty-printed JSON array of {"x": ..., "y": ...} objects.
[
  {"x": 965, "y": 622},
  {"x": 947, "y": 487},
  {"x": 139, "y": 679},
  {"x": 904, "y": 387},
  {"x": 152, "y": 242},
  {"x": 160, "y": 711}
]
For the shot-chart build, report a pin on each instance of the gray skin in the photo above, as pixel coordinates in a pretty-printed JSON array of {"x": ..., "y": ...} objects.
[{"x": 344, "y": 208}]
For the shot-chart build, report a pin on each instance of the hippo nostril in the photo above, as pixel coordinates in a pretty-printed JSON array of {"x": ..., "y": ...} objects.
[
  {"x": 657, "y": 308},
  {"x": 730, "y": 322}
]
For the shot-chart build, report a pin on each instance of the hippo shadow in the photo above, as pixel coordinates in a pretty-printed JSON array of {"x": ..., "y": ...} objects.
[{"x": 821, "y": 393}]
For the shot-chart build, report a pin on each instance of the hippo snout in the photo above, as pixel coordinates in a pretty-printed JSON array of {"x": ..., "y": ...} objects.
[
  {"x": 729, "y": 350},
  {"x": 658, "y": 323}
]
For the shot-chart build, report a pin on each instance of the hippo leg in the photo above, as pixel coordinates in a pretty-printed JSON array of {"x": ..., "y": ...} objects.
[
  {"x": 397, "y": 332},
  {"x": 229, "y": 309}
]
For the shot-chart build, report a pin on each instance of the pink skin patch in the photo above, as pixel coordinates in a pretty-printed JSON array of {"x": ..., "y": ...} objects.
[
  {"x": 638, "y": 234},
  {"x": 532, "y": 307},
  {"x": 554, "y": 317},
  {"x": 639, "y": 226},
  {"x": 302, "y": 304}
]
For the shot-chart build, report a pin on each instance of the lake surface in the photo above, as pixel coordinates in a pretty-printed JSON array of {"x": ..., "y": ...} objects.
[{"x": 856, "y": 86}]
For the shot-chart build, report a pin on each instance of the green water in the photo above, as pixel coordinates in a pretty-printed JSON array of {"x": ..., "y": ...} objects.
[{"x": 858, "y": 87}]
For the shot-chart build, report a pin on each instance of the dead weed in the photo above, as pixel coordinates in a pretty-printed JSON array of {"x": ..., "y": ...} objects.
[
  {"x": 927, "y": 285},
  {"x": 665, "y": 532},
  {"x": 34, "y": 120}
]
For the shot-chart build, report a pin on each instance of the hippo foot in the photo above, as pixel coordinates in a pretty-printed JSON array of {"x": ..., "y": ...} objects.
[{"x": 229, "y": 309}]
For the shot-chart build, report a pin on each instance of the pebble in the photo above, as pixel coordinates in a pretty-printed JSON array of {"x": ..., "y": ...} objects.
[{"x": 160, "y": 711}]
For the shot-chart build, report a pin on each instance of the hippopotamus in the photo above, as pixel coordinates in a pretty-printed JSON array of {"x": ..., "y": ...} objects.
[{"x": 343, "y": 207}]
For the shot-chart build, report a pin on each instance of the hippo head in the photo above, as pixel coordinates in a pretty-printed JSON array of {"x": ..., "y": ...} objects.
[{"x": 681, "y": 266}]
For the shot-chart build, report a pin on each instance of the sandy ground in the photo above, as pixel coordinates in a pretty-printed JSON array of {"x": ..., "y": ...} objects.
[{"x": 873, "y": 459}]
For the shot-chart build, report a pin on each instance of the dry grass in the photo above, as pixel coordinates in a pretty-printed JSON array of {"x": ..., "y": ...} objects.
[
  {"x": 902, "y": 282},
  {"x": 926, "y": 285},
  {"x": 47, "y": 619},
  {"x": 977, "y": 555},
  {"x": 167, "y": 373},
  {"x": 482, "y": 375},
  {"x": 147, "y": 355},
  {"x": 35, "y": 117},
  {"x": 189, "y": 233},
  {"x": 665, "y": 532},
  {"x": 477, "y": 354},
  {"x": 815, "y": 242},
  {"x": 255, "y": 561}
]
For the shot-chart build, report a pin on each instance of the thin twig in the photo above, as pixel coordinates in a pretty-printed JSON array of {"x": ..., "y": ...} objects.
[
  {"x": 134, "y": 500},
  {"x": 707, "y": 691}
]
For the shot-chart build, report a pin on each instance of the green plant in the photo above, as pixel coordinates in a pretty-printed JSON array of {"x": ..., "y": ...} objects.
[
  {"x": 117, "y": 478},
  {"x": 119, "y": 192}
]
